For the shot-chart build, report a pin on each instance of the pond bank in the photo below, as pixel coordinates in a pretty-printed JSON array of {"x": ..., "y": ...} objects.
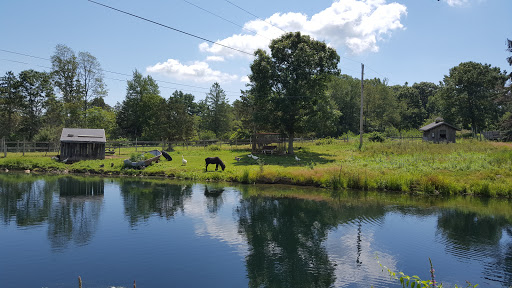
[{"x": 467, "y": 168}]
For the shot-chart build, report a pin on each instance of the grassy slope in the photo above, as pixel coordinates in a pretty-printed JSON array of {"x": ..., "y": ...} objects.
[{"x": 468, "y": 167}]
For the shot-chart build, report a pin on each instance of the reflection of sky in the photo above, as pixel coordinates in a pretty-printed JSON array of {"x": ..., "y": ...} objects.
[
  {"x": 353, "y": 252},
  {"x": 222, "y": 225}
]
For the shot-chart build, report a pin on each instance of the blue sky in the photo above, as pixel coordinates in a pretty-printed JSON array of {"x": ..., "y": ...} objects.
[{"x": 403, "y": 41}]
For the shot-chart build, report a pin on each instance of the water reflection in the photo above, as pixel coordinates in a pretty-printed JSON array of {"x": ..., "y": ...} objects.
[
  {"x": 143, "y": 199},
  {"x": 468, "y": 235},
  {"x": 301, "y": 239},
  {"x": 75, "y": 216},
  {"x": 214, "y": 198},
  {"x": 287, "y": 236}
]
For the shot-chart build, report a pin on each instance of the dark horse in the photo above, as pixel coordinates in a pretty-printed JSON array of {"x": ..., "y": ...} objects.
[{"x": 216, "y": 161}]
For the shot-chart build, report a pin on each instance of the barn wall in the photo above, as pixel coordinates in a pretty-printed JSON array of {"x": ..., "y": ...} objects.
[
  {"x": 450, "y": 134},
  {"x": 76, "y": 151}
]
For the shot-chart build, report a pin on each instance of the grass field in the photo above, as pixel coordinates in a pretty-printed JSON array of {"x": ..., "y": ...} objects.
[{"x": 467, "y": 167}]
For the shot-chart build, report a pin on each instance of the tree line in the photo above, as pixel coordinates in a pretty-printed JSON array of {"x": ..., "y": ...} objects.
[{"x": 297, "y": 89}]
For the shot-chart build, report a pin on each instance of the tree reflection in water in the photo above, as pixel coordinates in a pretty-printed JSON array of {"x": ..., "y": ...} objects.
[
  {"x": 472, "y": 236},
  {"x": 286, "y": 240},
  {"x": 143, "y": 199}
]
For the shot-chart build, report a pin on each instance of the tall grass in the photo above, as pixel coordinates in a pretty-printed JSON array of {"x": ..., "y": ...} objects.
[{"x": 467, "y": 167}]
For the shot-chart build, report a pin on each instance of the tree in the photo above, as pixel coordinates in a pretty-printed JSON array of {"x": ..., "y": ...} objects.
[
  {"x": 380, "y": 106},
  {"x": 292, "y": 80},
  {"x": 35, "y": 88},
  {"x": 179, "y": 116},
  {"x": 137, "y": 112},
  {"x": 217, "y": 116},
  {"x": 509, "y": 49},
  {"x": 412, "y": 114},
  {"x": 10, "y": 103},
  {"x": 346, "y": 93},
  {"x": 65, "y": 77},
  {"x": 90, "y": 76},
  {"x": 102, "y": 118},
  {"x": 470, "y": 92}
]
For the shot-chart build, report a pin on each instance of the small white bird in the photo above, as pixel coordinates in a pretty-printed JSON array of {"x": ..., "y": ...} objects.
[
  {"x": 250, "y": 155},
  {"x": 183, "y": 161},
  {"x": 255, "y": 157},
  {"x": 297, "y": 158}
]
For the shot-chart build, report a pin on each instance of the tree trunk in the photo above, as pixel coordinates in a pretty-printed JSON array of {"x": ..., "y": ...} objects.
[{"x": 290, "y": 143}]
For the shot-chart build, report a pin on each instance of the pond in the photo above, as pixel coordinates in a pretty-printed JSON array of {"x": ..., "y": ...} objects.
[{"x": 163, "y": 233}]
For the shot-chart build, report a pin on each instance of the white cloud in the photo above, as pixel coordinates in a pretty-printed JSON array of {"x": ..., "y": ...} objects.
[
  {"x": 245, "y": 79},
  {"x": 197, "y": 71},
  {"x": 215, "y": 58},
  {"x": 454, "y": 3},
  {"x": 356, "y": 24}
]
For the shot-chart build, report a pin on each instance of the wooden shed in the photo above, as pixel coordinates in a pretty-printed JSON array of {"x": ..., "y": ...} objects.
[
  {"x": 82, "y": 144},
  {"x": 439, "y": 131},
  {"x": 267, "y": 142}
]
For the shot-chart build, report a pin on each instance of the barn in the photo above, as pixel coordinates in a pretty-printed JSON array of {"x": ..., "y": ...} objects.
[
  {"x": 439, "y": 131},
  {"x": 82, "y": 144}
]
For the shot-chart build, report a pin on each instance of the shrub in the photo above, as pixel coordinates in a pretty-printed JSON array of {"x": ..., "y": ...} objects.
[
  {"x": 325, "y": 141},
  {"x": 376, "y": 137}
]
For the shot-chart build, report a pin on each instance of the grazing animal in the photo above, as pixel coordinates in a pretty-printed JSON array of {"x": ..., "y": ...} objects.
[
  {"x": 183, "y": 161},
  {"x": 111, "y": 164},
  {"x": 216, "y": 161},
  {"x": 238, "y": 159},
  {"x": 102, "y": 165},
  {"x": 297, "y": 158}
]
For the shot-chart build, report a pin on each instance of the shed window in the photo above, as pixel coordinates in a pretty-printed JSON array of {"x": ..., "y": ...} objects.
[{"x": 442, "y": 134}]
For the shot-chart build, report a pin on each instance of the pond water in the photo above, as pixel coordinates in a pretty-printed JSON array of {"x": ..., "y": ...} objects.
[{"x": 170, "y": 234}]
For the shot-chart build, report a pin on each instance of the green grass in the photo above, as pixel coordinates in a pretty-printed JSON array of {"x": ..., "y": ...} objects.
[{"x": 467, "y": 167}]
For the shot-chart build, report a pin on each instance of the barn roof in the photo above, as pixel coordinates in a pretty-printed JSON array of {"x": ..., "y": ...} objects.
[
  {"x": 83, "y": 135},
  {"x": 437, "y": 124}
]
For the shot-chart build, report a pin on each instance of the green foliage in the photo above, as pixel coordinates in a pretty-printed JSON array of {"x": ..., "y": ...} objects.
[
  {"x": 376, "y": 137},
  {"x": 416, "y": 282},
  {"x": 207, "y": 135},
  {"x": 217, "y": 116},
  {"x": 291, "y": 83},
  {"x": 325, "y": 141},
  {"x": 470, "y": 96},
  {"x": 213, "y": 148}
]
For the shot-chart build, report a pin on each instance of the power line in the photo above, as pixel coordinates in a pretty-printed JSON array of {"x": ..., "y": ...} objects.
[
  {"x": 254, "y": 15},
  {"x": 103, "y": 70},
  {"x": 125, "y": 80},
  {"x": 227, "y": 20},
  {"x": 171, "y": 28}
]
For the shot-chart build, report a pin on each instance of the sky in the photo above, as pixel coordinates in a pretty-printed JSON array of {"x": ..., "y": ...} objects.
[{"x": 403, "y": 40}]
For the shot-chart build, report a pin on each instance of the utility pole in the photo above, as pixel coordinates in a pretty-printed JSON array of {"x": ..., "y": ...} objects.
[{"x": 361, "y": 113}]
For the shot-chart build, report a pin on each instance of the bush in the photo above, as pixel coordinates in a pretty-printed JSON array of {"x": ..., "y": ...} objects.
[
  {"x": 325, "y": 141},
  {"x": 376, "y": 137}
]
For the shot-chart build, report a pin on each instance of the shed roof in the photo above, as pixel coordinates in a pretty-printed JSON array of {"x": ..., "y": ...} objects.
[
  {"x": 83, "y": 135},
  {"x": 436, "y": 124}
]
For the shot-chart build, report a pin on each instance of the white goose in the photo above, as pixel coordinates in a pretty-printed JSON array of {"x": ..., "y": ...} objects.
[{"x": 183, "y": 160}]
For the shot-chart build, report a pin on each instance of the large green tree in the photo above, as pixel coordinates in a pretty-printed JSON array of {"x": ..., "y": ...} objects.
[
  {"x": 10, "y": 103},
  {"x": 470, "y": 93},
  {"x": 90, "y": 76},
  {"x": 292, "y": 80},
  {"x": 35, "y": 88},
  {"x": 179, "y": 116},
  {"x": 65, "y": 78},
  {"x": 346, "y": 93},
  {"x": 137, "y": 114},
  {"x": 217, "y": 117}
]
